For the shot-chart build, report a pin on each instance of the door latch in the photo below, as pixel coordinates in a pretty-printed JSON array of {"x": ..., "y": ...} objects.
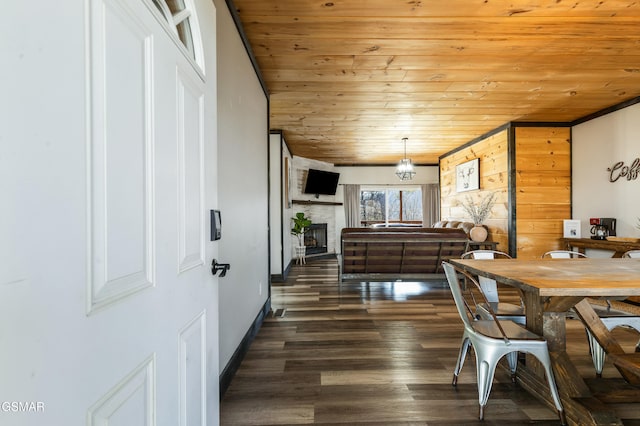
[{"x": 219, "y": 267}]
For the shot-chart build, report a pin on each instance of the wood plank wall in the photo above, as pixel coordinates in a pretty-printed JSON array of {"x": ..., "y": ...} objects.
[
  {"x": 493, "y": 154},
  {"x": 541, "y": 192},
  {"x": 543, "y": 187}
]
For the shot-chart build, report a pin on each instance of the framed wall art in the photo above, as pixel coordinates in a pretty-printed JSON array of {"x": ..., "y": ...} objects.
[
  {"x": 571, "y": 228},
  {"x": 468, "y": 175}
]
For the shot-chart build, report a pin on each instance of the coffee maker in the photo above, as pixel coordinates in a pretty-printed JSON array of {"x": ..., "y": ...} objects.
[{"x": 602, "y": 227}]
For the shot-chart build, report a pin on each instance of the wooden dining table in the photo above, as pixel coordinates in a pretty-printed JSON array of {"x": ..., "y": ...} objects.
[{"x": 551, "y": 287}]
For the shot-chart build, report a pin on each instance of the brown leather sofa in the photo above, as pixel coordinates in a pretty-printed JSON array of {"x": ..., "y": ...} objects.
[
  {"x": 390, "y": 254},
  {"x": 454, "y": 224}
]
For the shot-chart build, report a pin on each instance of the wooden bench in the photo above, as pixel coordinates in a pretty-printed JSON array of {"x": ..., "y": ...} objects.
[{"x": 628, "y": 364}]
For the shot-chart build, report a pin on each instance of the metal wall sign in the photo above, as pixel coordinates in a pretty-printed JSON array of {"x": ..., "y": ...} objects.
[{"x": 619, "y": 170}]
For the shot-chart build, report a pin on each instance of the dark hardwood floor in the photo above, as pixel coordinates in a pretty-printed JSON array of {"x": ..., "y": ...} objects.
[{"x": 377, "y": 354}]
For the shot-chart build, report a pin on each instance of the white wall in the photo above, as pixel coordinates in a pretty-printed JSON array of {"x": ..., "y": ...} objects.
[
  {"x": 382, "y": 175},
  {"x": 281, "y": 211},
  {"x": 288, "y": 212},
  {"x": 243, "y": 175},
  {"x": 597, "y": 145},
  {"x": 276, "y": 203}
]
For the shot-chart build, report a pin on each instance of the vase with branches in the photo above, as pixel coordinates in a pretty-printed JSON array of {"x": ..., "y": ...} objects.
[{"x": 479, "y": 212}]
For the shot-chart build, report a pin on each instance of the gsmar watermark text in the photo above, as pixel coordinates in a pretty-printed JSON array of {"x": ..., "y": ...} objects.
[{"x": 21, "y": 406}]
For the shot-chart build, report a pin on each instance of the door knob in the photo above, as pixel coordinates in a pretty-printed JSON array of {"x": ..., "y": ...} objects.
[{"x": 219, "y": 267}]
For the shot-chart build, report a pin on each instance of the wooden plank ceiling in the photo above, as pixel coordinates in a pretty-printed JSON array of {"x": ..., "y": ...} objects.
[{"x": 348, "y": 79}]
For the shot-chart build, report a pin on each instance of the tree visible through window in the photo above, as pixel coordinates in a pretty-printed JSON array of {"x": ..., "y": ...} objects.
[
  {"x": 393, "y": 205},
  {"x": 373, "y": 206}
]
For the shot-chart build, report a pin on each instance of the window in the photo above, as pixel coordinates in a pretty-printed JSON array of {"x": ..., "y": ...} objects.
[
  {"x": 180, "y": 17},
  {"x": 391, "y": 205}
]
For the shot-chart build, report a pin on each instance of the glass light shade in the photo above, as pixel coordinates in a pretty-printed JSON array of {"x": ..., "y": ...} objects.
[{"x": 404, "y": 170}]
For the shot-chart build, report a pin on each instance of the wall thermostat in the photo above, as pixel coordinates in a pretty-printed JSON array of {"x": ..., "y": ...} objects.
[{"x": 216, "y": 225}]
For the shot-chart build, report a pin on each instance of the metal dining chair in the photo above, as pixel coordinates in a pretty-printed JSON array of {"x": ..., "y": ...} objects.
[
  {"x": 609, "y": 316},
  {"x": 489, "y": 286},
  {"x": 493, "y": 339},
  {"x": 563, "y": 254}
]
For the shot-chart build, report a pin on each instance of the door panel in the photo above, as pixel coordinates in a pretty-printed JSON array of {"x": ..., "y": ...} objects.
[
  {"x": 193, "y": 356},
  {"x": 190, "y": 104},
  {"x": 121, "y": 155},
  {"x": 130, "y": 402},
  {"x": 109, "y": 314}
]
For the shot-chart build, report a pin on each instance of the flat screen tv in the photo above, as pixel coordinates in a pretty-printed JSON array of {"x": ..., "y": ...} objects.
[{"x": 321, "y": 182}]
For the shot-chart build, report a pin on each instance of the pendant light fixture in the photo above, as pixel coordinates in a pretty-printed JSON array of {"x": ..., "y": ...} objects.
[{"x": 404, "y": 170}]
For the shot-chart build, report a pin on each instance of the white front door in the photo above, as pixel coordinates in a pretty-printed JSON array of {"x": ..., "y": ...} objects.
[{"x": 108, "y": 309}]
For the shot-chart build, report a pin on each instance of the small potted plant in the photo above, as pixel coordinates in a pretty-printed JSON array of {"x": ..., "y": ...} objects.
[
  {"x": 479, "y": 213},
  {"x": 300, "y": 225}
]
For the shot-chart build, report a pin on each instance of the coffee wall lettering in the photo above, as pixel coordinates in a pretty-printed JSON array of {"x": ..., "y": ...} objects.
[{"x": 619, "y": 170}]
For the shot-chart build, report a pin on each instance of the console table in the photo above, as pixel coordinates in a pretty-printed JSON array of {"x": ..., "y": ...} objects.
[
  {"x": 485, "y": 245},
  {"x": 617, "y": 247}
]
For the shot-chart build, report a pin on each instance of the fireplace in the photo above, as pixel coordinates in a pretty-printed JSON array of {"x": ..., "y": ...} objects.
[{"x": 315, "y": 238}]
